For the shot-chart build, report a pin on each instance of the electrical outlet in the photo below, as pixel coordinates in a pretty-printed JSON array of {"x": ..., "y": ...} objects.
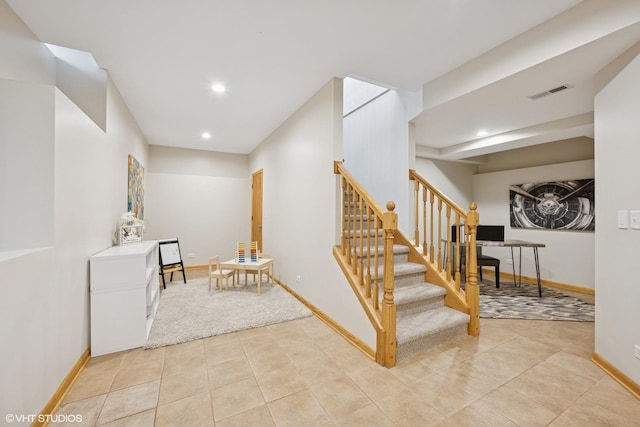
[
  {"x": 637, "y": 352},
  {"x": 191, "y": 255},
  {"x": 634, "y": 216}
]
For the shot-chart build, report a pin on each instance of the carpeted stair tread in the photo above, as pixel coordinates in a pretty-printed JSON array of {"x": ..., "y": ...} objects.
[
  {"x": 417, "y": 292},
  {"x": 406, "y": 268},
  {"x": 397, "y": 250},
  {"x": 414, "y": 325}
]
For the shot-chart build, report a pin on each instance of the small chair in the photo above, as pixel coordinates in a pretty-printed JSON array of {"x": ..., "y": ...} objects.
[
  {"x": 216, "y": 272},
  {"x": 260, "y": 256}
]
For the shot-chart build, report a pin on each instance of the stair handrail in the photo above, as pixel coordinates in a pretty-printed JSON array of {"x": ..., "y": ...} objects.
[
  {"x": 362, "y": 265},
  {"x": 438, "y": 249}
]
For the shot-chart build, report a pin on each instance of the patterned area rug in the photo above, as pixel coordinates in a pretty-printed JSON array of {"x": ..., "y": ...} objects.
[
  {"x": 189, "y": 311},
  {"x": 512, "y": 302}
]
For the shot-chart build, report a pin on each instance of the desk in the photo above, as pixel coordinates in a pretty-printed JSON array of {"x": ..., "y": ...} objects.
[
  {"x": 514, "y": 244},
  {"x": 260, "y": 266}
]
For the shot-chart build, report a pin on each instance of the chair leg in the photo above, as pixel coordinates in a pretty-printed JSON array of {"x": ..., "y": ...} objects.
[
  {"x": 497, "y": 276},
  {"x": 164, "y": 285},
  {"x": 480, "y": 268}
]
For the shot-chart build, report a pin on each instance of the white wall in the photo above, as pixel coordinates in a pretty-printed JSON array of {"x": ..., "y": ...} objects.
[
  {"x": 617, "y": 132},
  {"x": 44, "y": 309},
  {"x": 454, "y": 179},
  {"x": 26, "y": 165},
  {"x": 376, "y": 146},
  {"x": 299, "y": 205},
  {"x": 569, "y": 255},
  {"x": 201, "y": 197}
]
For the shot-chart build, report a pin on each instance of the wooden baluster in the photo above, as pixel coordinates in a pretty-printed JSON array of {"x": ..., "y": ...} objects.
[
  {"x": 390, "y": 224},
  {"x": 368, "y": 278},
  {"x": 354, "y": 228},
  {"x": 472, "y": 290},
  {"x": 361, "y": 255},
  {"x": 439, "y": 233},
  {"x": 343, "y": 181},
  {"x": 348, "y": 223},
  {"x": 431, "y": 235},
  {"x": 456, "y": 253},
  {"x": 376, "y": 256},
  {"x": 448, "y": 243},
  {"x": 424, "y": 222},
  {"x": 416, "y": 234}
]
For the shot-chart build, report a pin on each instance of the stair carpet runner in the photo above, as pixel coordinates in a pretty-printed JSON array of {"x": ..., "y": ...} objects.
[{"x": 423, "y": 321}]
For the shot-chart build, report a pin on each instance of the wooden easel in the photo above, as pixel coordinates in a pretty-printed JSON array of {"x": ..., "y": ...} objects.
[{"x": 170, "y": 259}]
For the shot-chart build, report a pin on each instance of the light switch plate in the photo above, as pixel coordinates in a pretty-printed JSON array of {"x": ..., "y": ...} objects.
[
  {"x": 623, "y": 219},
  {"x": 634, "y": 217}
]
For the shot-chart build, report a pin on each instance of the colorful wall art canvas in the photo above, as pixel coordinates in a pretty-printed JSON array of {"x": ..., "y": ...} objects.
[
  {"x": 135, "y": 197},
  {"x": 554, "y": 205}
]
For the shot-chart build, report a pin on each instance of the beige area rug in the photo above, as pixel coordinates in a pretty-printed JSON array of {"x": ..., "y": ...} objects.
[{"x": 189, "y": 311}]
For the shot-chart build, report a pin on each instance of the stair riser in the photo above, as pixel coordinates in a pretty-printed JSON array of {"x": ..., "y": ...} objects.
[
  {"x": 406, "y": 280},
  {"x": 421, "y": 305},
  {"x": 396, "y": 258},
  {"x": 424, "y": 343}
]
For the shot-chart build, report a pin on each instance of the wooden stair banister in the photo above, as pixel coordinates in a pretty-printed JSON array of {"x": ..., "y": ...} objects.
[
  {"x": 365, "y": 226},
  {"x": 370, "y": 246},
  {"x": 431, "y": 225}
]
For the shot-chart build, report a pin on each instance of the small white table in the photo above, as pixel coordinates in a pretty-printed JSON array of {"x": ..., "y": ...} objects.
[{"x": 260, "y": 266}]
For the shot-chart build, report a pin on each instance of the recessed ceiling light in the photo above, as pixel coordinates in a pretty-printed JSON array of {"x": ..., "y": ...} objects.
[
  {"x": 206, "y": 135},
  {"x": 218, "y": 88},
  {"x": 482, "y": 133}
]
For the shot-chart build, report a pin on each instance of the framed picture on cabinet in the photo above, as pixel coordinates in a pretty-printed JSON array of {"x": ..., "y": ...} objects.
[{"x": 130, "y": 234}]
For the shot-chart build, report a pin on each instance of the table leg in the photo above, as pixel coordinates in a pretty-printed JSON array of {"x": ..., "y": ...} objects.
[
  {"x": 520, "y": 267},
  {"x": 513, "y": 265},
  {"x": 535, "y": 256},
  {"x": 259, "y": 280}
]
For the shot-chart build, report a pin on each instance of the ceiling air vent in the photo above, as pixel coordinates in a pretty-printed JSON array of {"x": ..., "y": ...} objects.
[{"x": 549, "y": 92}]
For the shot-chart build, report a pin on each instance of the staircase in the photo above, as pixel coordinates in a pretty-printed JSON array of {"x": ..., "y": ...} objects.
[
  {"x": 422, "y": 319},
  {"x": 412, "y": 301}
]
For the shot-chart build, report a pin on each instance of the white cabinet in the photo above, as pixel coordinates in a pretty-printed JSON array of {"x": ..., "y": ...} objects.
[{"x": 124, "y": 296}]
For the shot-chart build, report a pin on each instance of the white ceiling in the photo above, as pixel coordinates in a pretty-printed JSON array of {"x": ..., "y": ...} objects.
[{"x": 273, "y": 55}]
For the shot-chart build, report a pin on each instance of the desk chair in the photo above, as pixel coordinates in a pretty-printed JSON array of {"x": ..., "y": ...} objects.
[
  {"x": 482, "y": 260},
  {"x": 492, "y": 233},
  {"x": 488, "y": 261}
]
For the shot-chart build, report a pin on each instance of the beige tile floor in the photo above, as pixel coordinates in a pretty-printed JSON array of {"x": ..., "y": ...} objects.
[{"x": 301, "y": 373}]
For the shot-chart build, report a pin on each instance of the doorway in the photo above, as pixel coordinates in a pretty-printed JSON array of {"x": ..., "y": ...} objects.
[{"x": 256, "y": 209}]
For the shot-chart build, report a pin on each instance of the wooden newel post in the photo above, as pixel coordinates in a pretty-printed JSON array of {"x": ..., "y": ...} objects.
[
  {"x": 472, "y": 290},
  {"x": 389, "y": 225}
]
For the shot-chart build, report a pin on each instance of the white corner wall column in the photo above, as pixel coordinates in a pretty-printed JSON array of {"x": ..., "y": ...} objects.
[
  {"x": 617, "y": 132},
  {"x": 299, "y": 203}
]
